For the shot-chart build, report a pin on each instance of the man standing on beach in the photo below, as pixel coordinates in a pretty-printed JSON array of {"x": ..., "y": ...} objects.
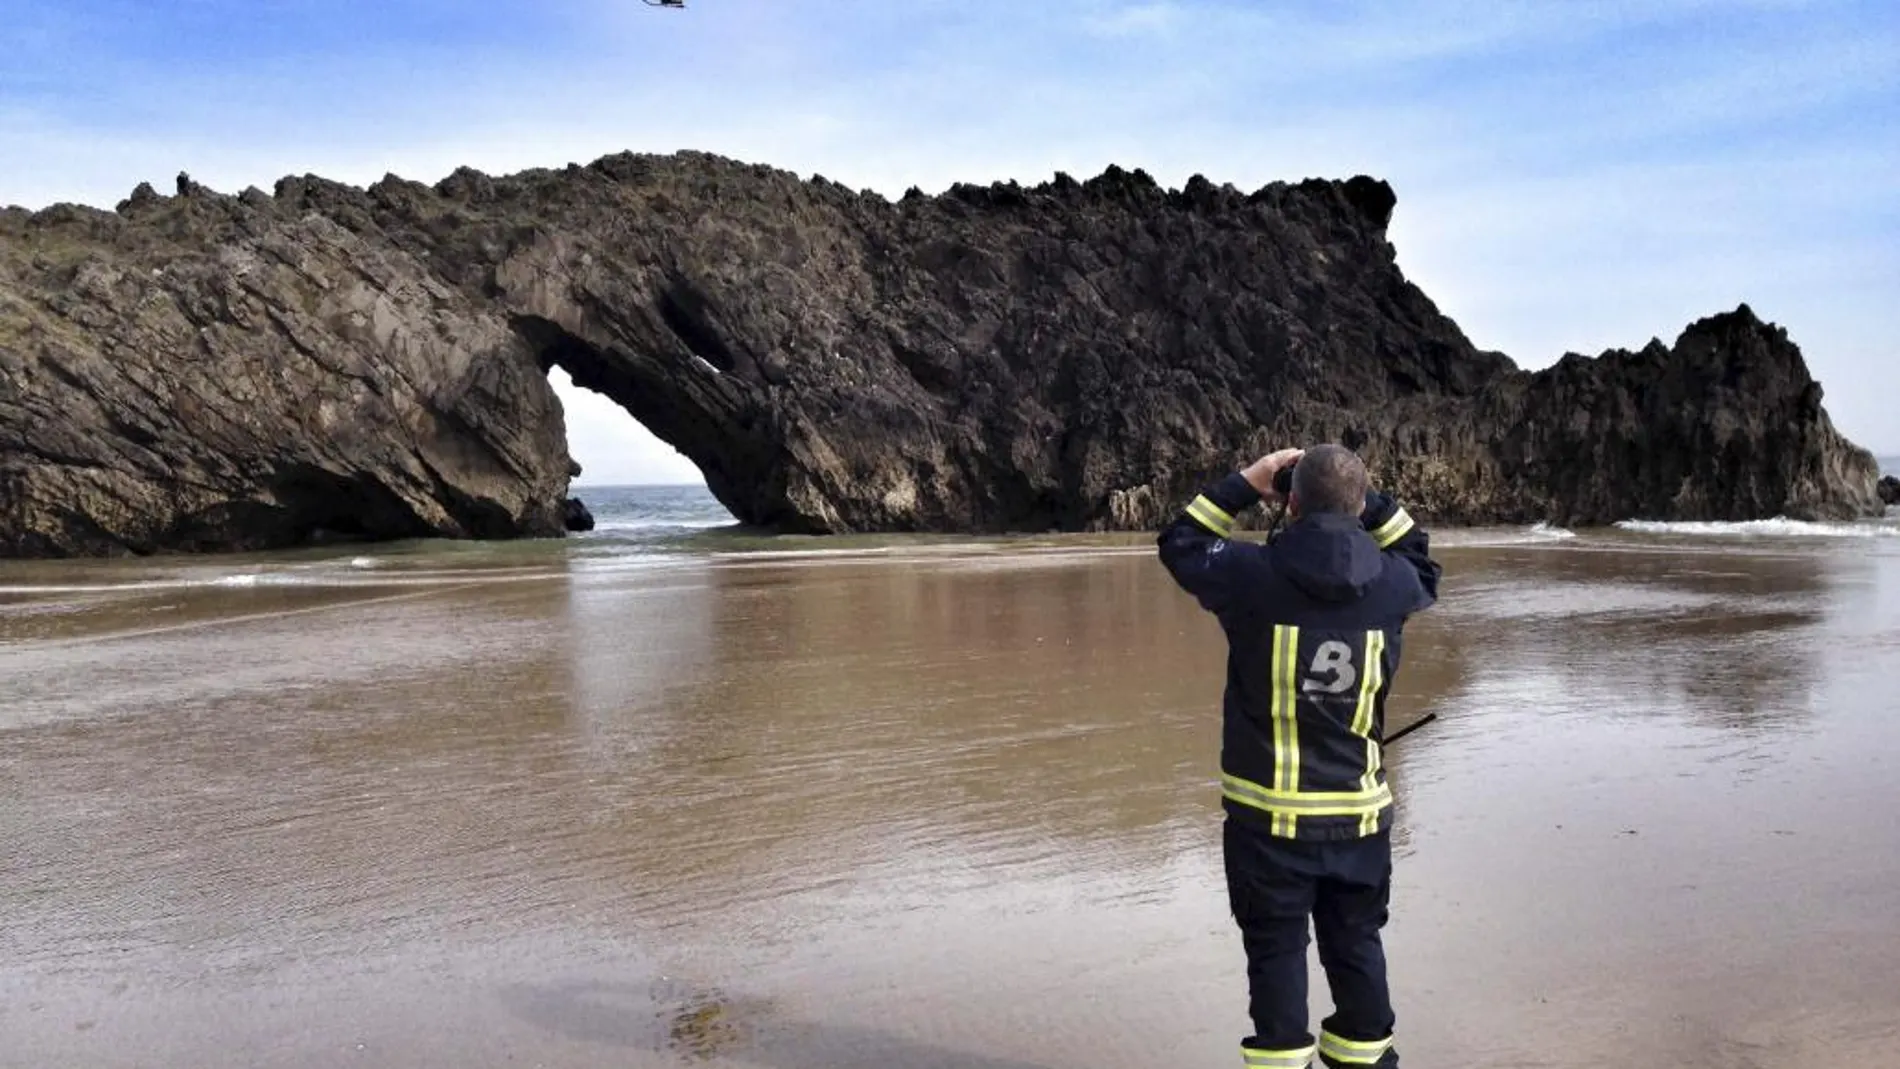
[{"x": 1313, "y": 622}]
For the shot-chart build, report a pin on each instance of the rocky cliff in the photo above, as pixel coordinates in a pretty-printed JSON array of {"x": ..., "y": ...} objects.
[{"x": 202, "y": 371}]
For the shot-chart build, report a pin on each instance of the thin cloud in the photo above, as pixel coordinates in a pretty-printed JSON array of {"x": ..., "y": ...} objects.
[{"x": 1135, "y": 20}]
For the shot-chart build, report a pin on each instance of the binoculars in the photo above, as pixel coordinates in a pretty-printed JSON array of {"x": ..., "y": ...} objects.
[{"x": 1283, "y": 479}]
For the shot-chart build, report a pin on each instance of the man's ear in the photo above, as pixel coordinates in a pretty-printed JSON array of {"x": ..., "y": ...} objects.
[{"x": 1293, "y": 503}]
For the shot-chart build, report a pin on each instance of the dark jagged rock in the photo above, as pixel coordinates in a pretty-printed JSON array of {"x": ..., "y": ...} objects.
[
  {"x": 1726, "y": 425},
  {"x": 206, "y": 371},
  {"x": 575, "y": 517},
  {"x": 1890, "y": 490}
]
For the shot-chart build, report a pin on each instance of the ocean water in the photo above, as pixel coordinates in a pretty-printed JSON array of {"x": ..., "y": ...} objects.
[
  {"x": 670, "y": 793},
  {"x": 635, "y": 513},
  {"x": 638, "y": 520}
]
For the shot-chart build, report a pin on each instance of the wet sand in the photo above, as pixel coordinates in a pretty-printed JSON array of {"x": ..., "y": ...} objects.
[{"x": 948, "y": 809}]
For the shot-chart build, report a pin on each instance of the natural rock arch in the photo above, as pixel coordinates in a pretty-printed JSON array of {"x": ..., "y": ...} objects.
[
  {"x": 738, "y": 468},
  {"x": 203, "y": 371}
]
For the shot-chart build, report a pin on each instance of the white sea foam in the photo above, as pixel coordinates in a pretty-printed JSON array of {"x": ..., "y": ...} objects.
[
  {"x": 143, "y": 586},
  {"x": 1535, "y": 534},
  {"x": 1779, "y": 527},
  {"x": 606, "y": 526},
  {"x": 288, "y": 578},
  {"x": 744, "y": 556}
]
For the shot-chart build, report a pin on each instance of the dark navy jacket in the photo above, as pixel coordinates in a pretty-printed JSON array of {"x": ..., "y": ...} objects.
[{"x": 1314, "y": 622}]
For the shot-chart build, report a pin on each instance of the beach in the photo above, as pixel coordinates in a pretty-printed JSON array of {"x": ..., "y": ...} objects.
[{"x": 666, "y": 795}]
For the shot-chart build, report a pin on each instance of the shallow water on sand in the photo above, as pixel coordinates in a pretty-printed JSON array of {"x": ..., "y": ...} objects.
[{"x": 942, "y": 805}]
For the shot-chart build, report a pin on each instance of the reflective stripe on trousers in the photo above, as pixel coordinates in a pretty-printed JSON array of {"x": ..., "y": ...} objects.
[
  {"x": 1278, "y": 1059},
  {"x": 1353, "y": 1051}
]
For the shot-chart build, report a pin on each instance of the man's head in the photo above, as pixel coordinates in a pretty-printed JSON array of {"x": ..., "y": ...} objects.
[{"x": 1328, "y": 479}]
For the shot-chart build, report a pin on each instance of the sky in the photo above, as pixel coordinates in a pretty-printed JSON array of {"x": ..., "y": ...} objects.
[{"x": 1571, "y": 177}]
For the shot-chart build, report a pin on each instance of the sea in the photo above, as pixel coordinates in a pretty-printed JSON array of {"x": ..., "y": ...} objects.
[
  {"x": 675, "y": 519},
  {"x": 675, "y": 793}
]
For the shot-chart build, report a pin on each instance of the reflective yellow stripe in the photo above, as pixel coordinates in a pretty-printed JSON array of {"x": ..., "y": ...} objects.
[
  {"x": 1393, "y": 529},
  {"x": 1211, "y": 516},
  {"x": 1285, "y": 802},
  {"x": 1352, "y": 1051},
  {"x": 1370, "y": 679},
  {"x": 1199, "y": 510},
  {"x": 1219, "y": 514},
  {"x": 1368, "y": 684},
  {"x": 1292, "y": 784},
  {"x": 1278, "y": 1059},
  {"x": 1306, "y": 803},
  {"x": 1286, "y": 724},
  {"x": 1273, "y": 715}
]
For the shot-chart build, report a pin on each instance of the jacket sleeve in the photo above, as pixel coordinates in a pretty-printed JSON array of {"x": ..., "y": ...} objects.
[
  {"x": 1196, "y": 546},
  {"x": 1395, "y": 532}
]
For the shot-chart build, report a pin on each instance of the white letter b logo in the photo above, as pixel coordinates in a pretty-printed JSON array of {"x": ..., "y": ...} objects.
[{"x": 1335, "y": 659}]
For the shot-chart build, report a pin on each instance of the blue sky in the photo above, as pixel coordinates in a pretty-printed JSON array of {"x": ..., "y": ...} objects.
[{"x": 1571, "y": 176}]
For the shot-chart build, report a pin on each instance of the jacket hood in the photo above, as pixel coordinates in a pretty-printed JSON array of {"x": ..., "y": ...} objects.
[{"x": 1329, "y": 557}]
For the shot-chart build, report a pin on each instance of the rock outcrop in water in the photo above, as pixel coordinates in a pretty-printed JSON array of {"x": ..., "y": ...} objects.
[
  {"x": 575, "y": 515},
  {"x": 1890, "y": 490},
  {"x": 212, "y": 372}
]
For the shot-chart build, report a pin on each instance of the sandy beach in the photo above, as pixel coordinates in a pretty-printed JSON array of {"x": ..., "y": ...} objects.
[{"x": 946, "y": 804}]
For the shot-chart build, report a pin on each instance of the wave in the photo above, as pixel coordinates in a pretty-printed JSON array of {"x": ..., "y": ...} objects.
[
  {"x": 308, "y": 578},
  {"x": 659, "y": 525},
  {"x": 1536, "y": 534},
  {"x": 140, "y": 586},
  {"x": 1779, "y": 527}
]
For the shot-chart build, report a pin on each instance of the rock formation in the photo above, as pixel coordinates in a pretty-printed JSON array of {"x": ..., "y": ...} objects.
[
  {"x": 1890, "y": 490},
  {"x": 208, "y": 372},
  {"x": 203, "y": 371},
  {"x": 575, "y": 516}
]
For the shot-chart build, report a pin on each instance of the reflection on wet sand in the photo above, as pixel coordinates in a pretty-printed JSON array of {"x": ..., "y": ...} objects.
[
  {"x": 704, "y": 1025},
  {"x": 1645, "y": 634},
  {"x": 1667, "y": 746},
  {"x": 949, "y": 810}
]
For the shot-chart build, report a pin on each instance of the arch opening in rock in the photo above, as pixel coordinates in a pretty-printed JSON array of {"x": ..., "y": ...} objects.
[{"x": 610, "y": 417}]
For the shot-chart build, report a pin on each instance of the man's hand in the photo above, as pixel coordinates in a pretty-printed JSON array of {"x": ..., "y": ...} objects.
[{"x": 1260, "y": 473}]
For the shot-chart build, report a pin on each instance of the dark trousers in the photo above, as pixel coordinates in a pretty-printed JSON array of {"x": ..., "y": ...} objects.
[{"x": 1273, "y": 887}]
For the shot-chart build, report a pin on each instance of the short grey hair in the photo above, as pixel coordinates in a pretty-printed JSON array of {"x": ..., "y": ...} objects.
[{"x": 1331, "y": 478}]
